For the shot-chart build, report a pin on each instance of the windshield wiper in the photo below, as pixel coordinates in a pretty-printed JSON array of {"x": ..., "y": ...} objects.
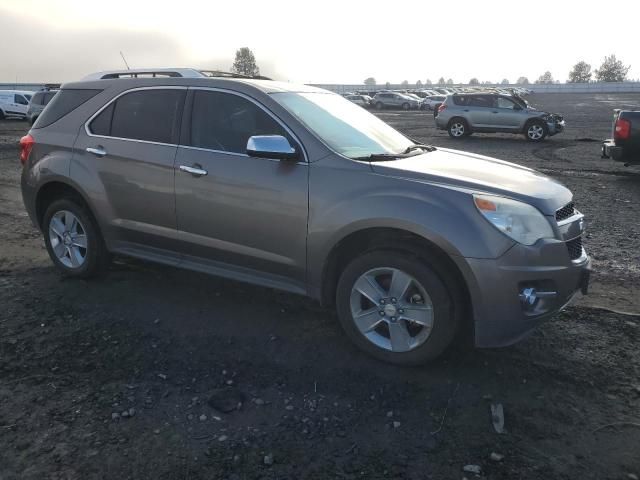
[
  {"x": 380, "y": 157},
  {"x": 427, "y": 148}
]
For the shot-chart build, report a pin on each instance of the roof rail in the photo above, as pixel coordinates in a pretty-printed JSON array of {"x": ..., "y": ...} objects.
[{"x": 167, "y": 72}]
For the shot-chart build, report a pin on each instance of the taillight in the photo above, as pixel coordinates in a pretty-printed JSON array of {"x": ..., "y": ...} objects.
[
  {"x": 442, "y": 108},
  {"x": 622, "y": 131},
  {"x": 26, "y": 144}
]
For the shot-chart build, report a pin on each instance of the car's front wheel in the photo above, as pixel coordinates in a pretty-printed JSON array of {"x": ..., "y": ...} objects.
[
  {"x": 73, "y": 239},
  {"x": 396, "y": 307},
  {"x": 536, "y": 131}
]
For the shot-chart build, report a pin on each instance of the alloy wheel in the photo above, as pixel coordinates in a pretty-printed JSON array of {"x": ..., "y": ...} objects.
[
  {"x": 457, "y": 129},
  {"x": 392, "y": 309},
  {"x": 535, "y": 132},
  {"x": 68, "y": 239}
]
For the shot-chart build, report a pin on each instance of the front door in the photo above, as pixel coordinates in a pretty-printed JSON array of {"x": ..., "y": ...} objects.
[{"x": 238, "y": 213}]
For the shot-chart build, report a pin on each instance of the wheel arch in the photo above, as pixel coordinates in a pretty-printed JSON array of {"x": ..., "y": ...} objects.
[
  {"x": 55, "y": 189},
  {"x": 387, "y": 238}
]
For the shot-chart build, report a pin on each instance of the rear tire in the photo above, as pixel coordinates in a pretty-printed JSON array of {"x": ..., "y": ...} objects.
[
  {"x": 458, "y": 128},
  {"x": 405, "y": 106},
  {"x": 430, "y": 291},
  {"x": 73, "y": 239},
  {"x": 536, "y": 131}
]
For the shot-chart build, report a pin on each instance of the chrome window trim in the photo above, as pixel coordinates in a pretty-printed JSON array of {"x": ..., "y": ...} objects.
[
  {"x": 264, "y": 109},
  {"x": 106, "y": 105}
]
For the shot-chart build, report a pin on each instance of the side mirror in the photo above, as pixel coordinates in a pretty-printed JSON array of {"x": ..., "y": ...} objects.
[{"x": 271, "y": 146}]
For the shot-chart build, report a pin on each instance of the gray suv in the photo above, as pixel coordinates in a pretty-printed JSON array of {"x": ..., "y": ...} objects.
[
  {"x": 39, "y": 100},
  {"x": 295, "y": 188},
  {"x": 463, "y": 114}
]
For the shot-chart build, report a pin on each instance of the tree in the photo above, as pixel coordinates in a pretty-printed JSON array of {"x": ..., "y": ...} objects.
[
  {"x": 474, "y": 81},
  {"x": 523, "y": 81},
  {"x": 581, "y": 73},
  {"x": 428, "y": 82},
  {"x": 612, "y": 70},
  {"x": 505, "y": 82},
  {"x": 419, "y": 83},
  {"x": 546, "y": 77},
  {"x": 405, "y": 83},
  {"x": 245, "y": 63},
  {"x": 387, "y": 85},
  {"x": 441, "y": 81},
  {"x": 487, "y": 82},
  {"x": 449, "y": 81},
  {"x": 370, "y": 81}
]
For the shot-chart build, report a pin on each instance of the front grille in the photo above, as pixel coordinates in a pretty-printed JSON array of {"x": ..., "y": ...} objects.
[
  {"x": 575, "y": 248},
  {"x": 565, "y": 212}
]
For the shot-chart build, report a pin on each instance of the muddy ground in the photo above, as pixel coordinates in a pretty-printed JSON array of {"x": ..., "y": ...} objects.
[{"x": 114, "y": 378}]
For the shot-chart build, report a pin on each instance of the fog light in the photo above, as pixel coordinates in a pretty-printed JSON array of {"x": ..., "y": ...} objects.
[{"x": 528, "y": 296}]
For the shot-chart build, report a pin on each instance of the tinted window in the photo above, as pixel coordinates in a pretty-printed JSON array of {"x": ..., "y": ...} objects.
[
  {"x": 48, "y": 97},
  {"x": 459, "y": 100},
  {"x": 20, "y": 100},
  {"x": 481, "y": 101},
  {"x": 63, "y": 103},
  {"x": 151, "y": 115},
  {"x": 223, "y": 121},
  {"x": 101, "y": 125}
]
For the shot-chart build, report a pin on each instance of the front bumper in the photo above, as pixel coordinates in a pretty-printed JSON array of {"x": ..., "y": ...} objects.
[
  {"x": 555, "y": 127},
  {"x": 501, "y": 288}
]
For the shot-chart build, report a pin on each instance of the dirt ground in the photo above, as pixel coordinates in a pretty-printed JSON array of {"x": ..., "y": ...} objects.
[{"x": 153, "y": 372}]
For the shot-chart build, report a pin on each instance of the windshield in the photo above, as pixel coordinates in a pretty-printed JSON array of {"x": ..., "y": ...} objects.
[{"x": 345, "y": 127}]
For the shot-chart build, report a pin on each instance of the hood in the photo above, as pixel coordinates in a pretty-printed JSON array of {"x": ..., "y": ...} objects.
[{"x": 480, "y": 174}]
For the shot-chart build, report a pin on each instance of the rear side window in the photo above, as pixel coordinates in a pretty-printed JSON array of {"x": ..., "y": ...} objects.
[
  {"x": 65, "y": 102},
  {"x": 223, "y": 121},
  {"x": 48, "y": 97},
  {"x": 460, "y": 100},
  {"x": 38, "y": 99},
  {"x": 149, "y": 115},
  {"x": 481, "y": 101}
]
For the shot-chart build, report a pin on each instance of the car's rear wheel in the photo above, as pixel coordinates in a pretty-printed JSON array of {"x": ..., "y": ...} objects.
[
  {"x": 458, "y": 128},
  {"x": 1, "y": 115},
  {"x": 396, "y": 307},
  {"x": 405, "y": 106},
  {"x": 536, "y": 131},
  {"x": 73, "y": 239},
  {"x": 379, "y": 105}
]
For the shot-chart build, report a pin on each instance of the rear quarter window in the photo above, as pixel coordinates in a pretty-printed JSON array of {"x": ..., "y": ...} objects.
[{"x": 65, "y": 102}]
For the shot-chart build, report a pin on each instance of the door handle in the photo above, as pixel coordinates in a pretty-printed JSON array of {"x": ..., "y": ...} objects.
[
  {"x": 196, "y": 170},
  {"x": 97, "y": 151},
  {"x": 466, "y": 110}
]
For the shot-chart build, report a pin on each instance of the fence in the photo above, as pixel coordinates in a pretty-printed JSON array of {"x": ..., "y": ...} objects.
[
  {"x": 599, "y": 87},
  {"x": 595, "y": 87}
]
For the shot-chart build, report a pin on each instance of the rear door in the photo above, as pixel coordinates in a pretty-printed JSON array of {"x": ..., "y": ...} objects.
[
  {"x": 245, "y": 215},
  {"x": 130, "y": 146},
  {"x": 480, "y": 111}
]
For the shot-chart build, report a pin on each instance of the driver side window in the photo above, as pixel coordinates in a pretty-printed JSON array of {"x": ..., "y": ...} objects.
[{"x": 225, "y": 122}]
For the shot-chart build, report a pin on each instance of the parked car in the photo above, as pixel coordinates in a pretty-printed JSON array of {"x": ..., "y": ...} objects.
[
  {"x": 14, "y": 103},
  {"x": 39, "y": 100},
  {"x": 464, "y": 114},
  {"x": 394, "y": 100},
  {"x": 296, "y": 188},
  {"x": 432, "y": 102},
  {"x": 362, "y": 100},
  {"x": 625, "y": 144}
]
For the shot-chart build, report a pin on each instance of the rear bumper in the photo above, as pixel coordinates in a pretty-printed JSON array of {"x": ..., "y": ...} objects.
[
  {"x": 610, "y": 150},
  {"x": 504, "y": 310}
]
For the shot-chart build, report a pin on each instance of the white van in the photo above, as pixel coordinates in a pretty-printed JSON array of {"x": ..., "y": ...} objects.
[{"x": 14, "y": 103}]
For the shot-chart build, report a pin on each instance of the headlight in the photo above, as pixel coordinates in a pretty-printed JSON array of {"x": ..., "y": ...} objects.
[{"x": 520, "y": 221}]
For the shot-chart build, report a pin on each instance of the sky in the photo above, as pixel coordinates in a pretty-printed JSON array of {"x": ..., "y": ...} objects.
[{"x": 317, "y": 42}]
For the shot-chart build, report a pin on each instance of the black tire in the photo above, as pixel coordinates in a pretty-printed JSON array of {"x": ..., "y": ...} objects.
[
  {"x": 2, "y": 115},
  {"x": 540, "y": 129},
  {"x": 405, "y": 106},
  {"x": 97, "y": 257},
  {"x": 445, "y": 294},
  {"x": 458, "y": 128},
  {"x": 379, "y": 105}
]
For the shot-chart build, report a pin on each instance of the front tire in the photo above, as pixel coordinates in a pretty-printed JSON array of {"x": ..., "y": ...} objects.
[
  {"x": 397, "y": 308},
  {"x": 536, "y": 131},
  {"x": 73, "y": 239}
]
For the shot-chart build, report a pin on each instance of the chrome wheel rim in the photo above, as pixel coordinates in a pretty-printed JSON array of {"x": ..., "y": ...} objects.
[
  {"x": 391, "y": 309},
  {"x": 535, "y": 132},
  {"x": 457, "y": 129},
  {"x": 68, "y": 239}
]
